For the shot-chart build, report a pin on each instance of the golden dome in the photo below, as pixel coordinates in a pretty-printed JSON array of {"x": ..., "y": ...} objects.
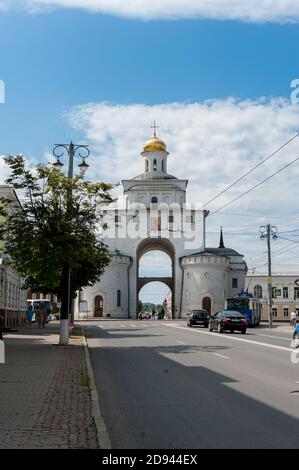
[{"x": 154, "y": 144}]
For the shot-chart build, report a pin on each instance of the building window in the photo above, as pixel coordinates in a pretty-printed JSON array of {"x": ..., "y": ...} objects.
[
  {"x": 118, "y": 298},
  {"x": 285, "y": 312},
  {"x": 188, "y": 275},
  {"x": 285, "y": 292},
  {"x": 296, "y": 293},
  {"x": 235, "y": 282},
  {"x": 155, "y": 165},
  {"x": 154, "y": 200},
  {"x": 163, "y": 165},
  {"x": 258, "y": 292},
  {"x": 146, "y": 165},
  {"x": 274, "y": 312},
  {"x": 116, "y": 219},
  {"x": 170, "y": 219}
]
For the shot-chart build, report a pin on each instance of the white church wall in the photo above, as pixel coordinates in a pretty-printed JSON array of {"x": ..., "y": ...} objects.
[
  {"x": 115, "y": 278},
  {"x": 204, "y": 276}
]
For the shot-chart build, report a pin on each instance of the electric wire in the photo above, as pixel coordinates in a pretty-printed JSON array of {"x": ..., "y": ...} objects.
[{"x": 252, "y": 169}]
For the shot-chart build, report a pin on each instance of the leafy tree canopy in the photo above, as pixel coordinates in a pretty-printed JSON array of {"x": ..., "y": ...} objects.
[{"x": 57, "y": 224}]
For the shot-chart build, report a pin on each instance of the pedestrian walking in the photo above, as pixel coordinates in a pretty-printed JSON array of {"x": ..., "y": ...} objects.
[
  {"x": 42, "y": 314},
  {"x": 29, "y": 315},
  {"x": 293, "y": 320}
]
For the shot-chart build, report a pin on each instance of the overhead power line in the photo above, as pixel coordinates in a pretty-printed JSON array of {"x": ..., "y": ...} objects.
[
  {"x": 252, "y": 169},
  {"x": 289, "y": 239},
  {"x": 255, "y": 186},
  {"x": 259, "y": 216}
]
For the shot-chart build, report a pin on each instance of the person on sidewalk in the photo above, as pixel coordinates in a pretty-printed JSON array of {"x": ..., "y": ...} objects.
[
  {"x": 29, "y": 315},
  {"x": 42, "y": 315},
  {"x": 293, "y": 318}
]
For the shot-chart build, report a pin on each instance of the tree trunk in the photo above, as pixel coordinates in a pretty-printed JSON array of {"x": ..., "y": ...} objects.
[{"x": 65, "y": 305}]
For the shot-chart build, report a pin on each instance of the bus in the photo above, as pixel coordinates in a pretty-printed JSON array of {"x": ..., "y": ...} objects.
[
  {"x": 35, "y": 306},
  {"x": 247, "y": 305}
]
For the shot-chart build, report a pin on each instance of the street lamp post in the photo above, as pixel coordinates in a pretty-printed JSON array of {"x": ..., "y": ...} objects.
[{"x": 71, "y": 150}]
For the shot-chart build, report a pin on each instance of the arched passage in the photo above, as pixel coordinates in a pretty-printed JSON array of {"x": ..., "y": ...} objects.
[
  {"x": 142, "y": 279},
  {"x": 156, "y": 294}
]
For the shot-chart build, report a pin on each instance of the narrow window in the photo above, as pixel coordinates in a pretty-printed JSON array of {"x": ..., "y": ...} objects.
[
  {"x": 285, "y": 292},
  {"x": 235, "y": 283},
  {"x": 146, "y": 165},
  {"x": 163, "y": 165},
  {"x": 258, "y": 291},
  {"x": 285, "y": 312},
  {"x": 154, "y": 200},
  {"x": 155, "y": 165},
  {"x": 118, "y": 298}
]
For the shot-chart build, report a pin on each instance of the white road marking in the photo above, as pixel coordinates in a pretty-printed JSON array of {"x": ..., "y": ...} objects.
[
  {"x": 134, "y": 326},
  {"x": 233, "y": 338},
  {"x": 276, "y": 337},
  {"x": 221, "y": 355},
  {"x": 180, "y": 342},
  {"x": 122, "y": 325}
]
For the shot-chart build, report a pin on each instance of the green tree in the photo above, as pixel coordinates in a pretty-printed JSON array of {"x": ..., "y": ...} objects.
[{"x": 56, "y": 230}]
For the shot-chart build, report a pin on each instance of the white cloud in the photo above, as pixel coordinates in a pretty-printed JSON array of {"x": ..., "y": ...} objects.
[
  {"x": 246, "y": 10},
  {"x": 211, "y": 143},
  {"x": 4, "y": 170}
]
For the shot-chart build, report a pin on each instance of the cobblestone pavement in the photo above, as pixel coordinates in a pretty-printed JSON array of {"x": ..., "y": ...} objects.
[{"x": 45, "y": 393}]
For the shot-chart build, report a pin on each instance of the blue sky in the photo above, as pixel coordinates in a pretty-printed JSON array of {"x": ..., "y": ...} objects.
[
  {"x": 53, "y": 61},
  {"x": 69, "y": 72}
]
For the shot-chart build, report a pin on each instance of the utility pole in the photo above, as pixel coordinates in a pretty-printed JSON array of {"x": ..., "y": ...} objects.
[
  {"x": 269, "y": 231},
  {"x": 67, "y": 311}
]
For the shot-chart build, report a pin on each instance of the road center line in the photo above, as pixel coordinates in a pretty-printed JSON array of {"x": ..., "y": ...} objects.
[
  {"x": 180, "y": 342},
  {"x": 221, "y": 355},
  {"x": 266, "y": 345}
]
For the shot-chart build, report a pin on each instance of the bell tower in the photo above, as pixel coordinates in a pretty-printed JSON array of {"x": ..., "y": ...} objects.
[{"x": 155, "y": 155}]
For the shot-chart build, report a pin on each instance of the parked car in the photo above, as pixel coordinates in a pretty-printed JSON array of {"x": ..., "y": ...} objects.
[
  {"x": 228, "y": 320},
  {"x": 198, "y": 317}
]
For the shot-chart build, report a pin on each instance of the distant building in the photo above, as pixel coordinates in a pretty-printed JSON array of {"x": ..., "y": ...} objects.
[
  {"x": 13, "y": 302},
  {"x": 285, "y": 294}
]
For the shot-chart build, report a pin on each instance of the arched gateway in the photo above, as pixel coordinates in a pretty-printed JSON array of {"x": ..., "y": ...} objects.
[
  {"x": 153, "y": 215},
  {"x": 159, "y": 244}
]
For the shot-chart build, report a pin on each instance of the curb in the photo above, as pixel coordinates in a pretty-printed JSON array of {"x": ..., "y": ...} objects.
[{"x": 102, "y": 433}]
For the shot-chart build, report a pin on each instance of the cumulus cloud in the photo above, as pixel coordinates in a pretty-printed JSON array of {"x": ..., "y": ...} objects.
[
  {"x": 246, "y": 10},
  {"x": 210, "y": 143},
  {"x": 4, "y": 170}
]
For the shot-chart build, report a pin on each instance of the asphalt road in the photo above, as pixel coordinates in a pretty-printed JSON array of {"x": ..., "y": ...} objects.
[{"x": 163, "y": 385}]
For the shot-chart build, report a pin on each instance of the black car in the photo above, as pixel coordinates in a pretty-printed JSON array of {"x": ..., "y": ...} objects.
[
  {"x": 228, "y": 320},
  {"x": 198, "y": 317}
]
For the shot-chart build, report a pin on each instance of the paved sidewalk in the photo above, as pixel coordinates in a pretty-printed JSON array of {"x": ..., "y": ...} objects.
[{"x": 45, "y": 399}]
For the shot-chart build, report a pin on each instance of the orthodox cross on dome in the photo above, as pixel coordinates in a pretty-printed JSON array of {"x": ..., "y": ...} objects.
[{"x": 155, "y": 127}]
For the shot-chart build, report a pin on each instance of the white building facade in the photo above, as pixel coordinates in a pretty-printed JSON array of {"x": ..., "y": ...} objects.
[
  {"x": 13, "y": 299},
  {"x": 154, "y": 215}
]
